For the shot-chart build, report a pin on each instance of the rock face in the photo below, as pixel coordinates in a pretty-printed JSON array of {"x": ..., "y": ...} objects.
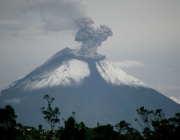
[{"x": 90, "y": 85}]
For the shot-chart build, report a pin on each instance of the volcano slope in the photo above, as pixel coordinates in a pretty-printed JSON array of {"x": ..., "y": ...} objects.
[{"x": 88, "y": 84}]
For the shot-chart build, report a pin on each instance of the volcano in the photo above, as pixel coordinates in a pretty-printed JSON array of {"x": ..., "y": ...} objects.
[{"x": 88, "y": 84}]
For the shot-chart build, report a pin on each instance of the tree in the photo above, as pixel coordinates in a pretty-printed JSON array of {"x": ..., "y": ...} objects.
[
  {"x": 73, "y": 113},
  {"x": 9, "y": 129},
  {"x": 157, "y": 127},
  {"x": 104, "y": 132},
  {"x": 126, "y": 132},
  {"x": 40, "y": 127},
  {"x": 146, "y": 117},
  {"x": 122, "y": 127},
  {"x": 7, "y": 117},
  {"x": 51, "y": 115},
  {"x": 73, "y": 130}
]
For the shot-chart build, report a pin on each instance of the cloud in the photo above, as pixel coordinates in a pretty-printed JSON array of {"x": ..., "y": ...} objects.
[
  {"x": 128, "y": 64},
  {"x": 44, "y": 15},
  {"x": 15, "y": 100},
  {"x": 169, "y": 88}
]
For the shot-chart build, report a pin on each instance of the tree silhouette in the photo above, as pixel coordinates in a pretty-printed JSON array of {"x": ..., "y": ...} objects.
[
  {"x": 73, "y": 113},
  {"x": 146, "y": 117},
  {"x": 104, "y": 132},
  {"x": 126, "y": 132},
  {"x": 51, "y": 115},
  {"x": 72, "y": 130},
  {"x": 9, "y": 129},
  {"x": 40, "y": 127}
]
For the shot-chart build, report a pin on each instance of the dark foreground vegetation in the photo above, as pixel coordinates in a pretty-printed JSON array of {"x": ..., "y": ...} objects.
[{"x": 154, "y": 126}]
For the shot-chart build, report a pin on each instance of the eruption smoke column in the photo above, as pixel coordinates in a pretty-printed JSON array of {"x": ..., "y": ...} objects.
[{"x": 90, "y": 37}]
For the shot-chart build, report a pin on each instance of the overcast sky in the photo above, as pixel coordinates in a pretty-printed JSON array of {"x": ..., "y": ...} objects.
[{"x": 145, "y": 41}]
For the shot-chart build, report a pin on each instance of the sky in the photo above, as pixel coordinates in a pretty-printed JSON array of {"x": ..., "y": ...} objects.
[{"x": 145, "y": 41}]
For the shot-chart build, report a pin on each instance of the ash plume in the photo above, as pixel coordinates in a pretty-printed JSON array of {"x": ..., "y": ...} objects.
[{"x": 90, "y": 37}]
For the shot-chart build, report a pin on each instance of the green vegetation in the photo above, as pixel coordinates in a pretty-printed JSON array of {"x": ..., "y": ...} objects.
[{"x": 154, "y": 126}]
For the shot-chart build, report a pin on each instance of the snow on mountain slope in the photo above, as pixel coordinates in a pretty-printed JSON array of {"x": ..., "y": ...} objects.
[
  {"x": 114, "y": 75},
  {"x": 69, "y": 67},
  {"x": 175, "y": 99},
  {"x": 71, "y": 71}
]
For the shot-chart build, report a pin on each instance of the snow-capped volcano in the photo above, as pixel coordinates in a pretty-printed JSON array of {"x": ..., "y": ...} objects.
[
  {"x": 72, "y": 71},
  {"x": 89, "y": 84}
]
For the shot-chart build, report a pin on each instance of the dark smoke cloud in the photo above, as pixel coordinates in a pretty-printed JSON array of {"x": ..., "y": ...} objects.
[{"x": 90, "y": 37}]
